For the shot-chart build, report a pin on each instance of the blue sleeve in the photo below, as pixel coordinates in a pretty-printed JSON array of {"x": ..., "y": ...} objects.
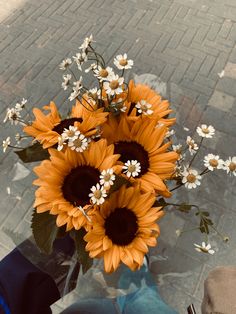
[{"x": 25, "y": 289}]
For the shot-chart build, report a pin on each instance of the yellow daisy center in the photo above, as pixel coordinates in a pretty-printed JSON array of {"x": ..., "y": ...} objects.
[
  {"x": 131, "y": 168},
  {"x": 205, "y": 130},
  {"x": 103, "y": 73},
  {"x": 123, "y": 62},
  {"x": 213, "y": 163},
  {"x": 191, "y": 178},
  {"x": 77, "y": 184},
  {"x": 97, "y": 194},
  {"x": 107, "y": 177},
  {"x": 77, "y": 142},
  {"x": 121, "y": 226},
  {"x": 114, "y": 84},
  {"x": 232, "y": 166}
]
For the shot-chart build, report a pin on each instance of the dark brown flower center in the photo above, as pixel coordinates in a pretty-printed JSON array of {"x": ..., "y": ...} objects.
[
  {"x": 64, "y": 124},
  {"x": 121, "y": 226},
  {"x": 77, "y": 184},
  {"x": 133, "y": 151}
]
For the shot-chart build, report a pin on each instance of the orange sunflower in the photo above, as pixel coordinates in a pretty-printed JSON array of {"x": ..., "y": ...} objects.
[
  {"x": 124, "y": 228},
  {"x": 66, "y": 179},
  {"x": 144, "y": 100},
  {"x": 143, "y": 141},
  {"x": 48, "y": 127}
]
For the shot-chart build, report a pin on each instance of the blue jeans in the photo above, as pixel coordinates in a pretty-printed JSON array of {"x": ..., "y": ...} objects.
[{"x": 145, "y": 299}]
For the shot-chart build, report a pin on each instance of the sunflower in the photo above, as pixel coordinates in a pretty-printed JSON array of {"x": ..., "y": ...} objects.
[
  {"x": 48, "y": 127},
  {"x": 65, "y": 182},
  {"x": 123, "y": 229},
  {"x": 143, "y": 141},
  {"x": 144, "y": 100}
]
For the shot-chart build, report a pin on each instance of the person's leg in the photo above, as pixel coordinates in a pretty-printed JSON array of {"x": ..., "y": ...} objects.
[
  {"x": 144, "y": 298},
  {"x": 91, "y": 306}
]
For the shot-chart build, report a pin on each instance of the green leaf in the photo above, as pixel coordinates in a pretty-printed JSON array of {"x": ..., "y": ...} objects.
[
  {"x": 44, "y": 230},
  {"x": 83, "y": 256},
  {"x": 160, "y": 202},
  {"x": 184, "y": 208},
  {"x": 32, "y": 153},
  {"x": 204, "y": 226},
  {"x": 119, "y": 181}
]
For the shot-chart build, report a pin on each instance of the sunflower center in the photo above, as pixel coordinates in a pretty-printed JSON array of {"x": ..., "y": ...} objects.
[
  {"x": 191, "y": 178},
  {"x": 232, "y": 166},
  {"x": 123, "y": 62},
  {"x": 114, "y": 84},
  {"x": 213, "y": 163},
  {"x": 103, "y": 73},
  {"x": 133, "y": 151},
  {"x": 64, "y": 124},
  {"x": 77, "y": 184},
  {"x": 121, "y": 226}
]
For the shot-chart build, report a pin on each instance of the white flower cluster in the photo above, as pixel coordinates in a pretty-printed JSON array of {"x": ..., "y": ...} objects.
[
  {"x": 74, "y": 139},
  {"x": 99, "y": 192},
  {"x": 108, "y": 80},
  {"x": 14, "y": 114}
]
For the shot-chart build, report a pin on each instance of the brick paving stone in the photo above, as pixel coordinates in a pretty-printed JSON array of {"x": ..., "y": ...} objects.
[
  {"x": 186, "y": 44},
  {"x": 221, "y": 101}
]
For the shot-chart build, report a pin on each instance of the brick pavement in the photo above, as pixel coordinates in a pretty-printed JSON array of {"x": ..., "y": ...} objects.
[{"x": 185, "y": 43}]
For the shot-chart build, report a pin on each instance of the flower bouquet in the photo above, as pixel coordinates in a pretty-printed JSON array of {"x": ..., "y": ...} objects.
[{"x": 108, "y": 168}]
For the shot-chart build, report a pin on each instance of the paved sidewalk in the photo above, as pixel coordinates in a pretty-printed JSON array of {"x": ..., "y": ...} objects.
[{"x": 187, "y": 43}]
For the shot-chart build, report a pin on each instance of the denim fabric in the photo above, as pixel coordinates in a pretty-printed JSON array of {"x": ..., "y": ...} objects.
[{"x": 144, "y": 299}]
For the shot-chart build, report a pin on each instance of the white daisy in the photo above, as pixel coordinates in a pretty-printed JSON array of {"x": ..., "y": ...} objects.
[
  {"x": 79, "y": 59},
  {"x": 6, "y": 143},
  {"x": 206, "y": 131},
  {"x": 107, "y": 178},
  {"x": 213, "y": 162},
  {"x": 103, "y": 73},
  {"x": 20, "y": 106},
  {"x": 132, "y": 168},
  {"x": 122, "y": 62},
  {"x": 95, "y": 93},
  {"x": 92, "y": 66},
  {"x": 65, "y": 63},
  {"x": 98, "y": 194},
  {"x": 168, "y": 133},
  {"x": 87, "y": 41},
  {"x": 66, "y": 82},
  {"x": 178, "y": 149},
  {"x": 72, "y": 133},
  {"x": 76, "y": 89},
  {"x": 78, "y": 144},
  {"x": 61, "y": 142},
  {"x": 114, "y": 86},
  {"x": 192, "y": 146},
  {"x": 123, "y": 109},
  {"x": 230, "y": 165},
  {"x": 12, "y": 115},
  {"x": 190, "y": 178},
  {"x": 144, "y": 107},
  {"x": 204, "y": 248}
]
